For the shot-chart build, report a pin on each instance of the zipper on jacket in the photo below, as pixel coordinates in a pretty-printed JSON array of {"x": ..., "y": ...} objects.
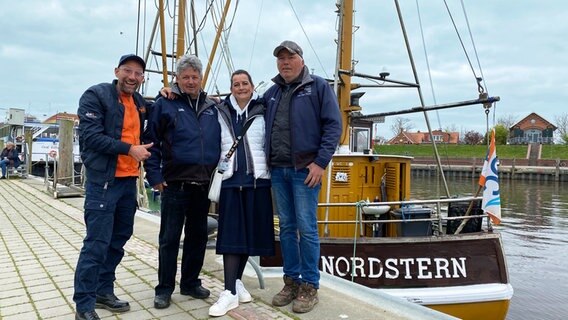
[
  {"x": 105, "y": 189},
  {"x": 302, "y": 84},
  {"x": 197, "y": 113},
  {"x": 290, "y": 125}
]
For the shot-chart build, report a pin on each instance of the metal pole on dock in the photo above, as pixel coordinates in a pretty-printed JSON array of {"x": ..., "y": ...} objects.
[{"x": 28, "y": 142}]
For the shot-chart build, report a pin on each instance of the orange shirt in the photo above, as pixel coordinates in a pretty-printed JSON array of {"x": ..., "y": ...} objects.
[{"x": 128, "y": 166}]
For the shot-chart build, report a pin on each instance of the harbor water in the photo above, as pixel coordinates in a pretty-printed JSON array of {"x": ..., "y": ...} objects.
[{"x": 535, "y": 236}]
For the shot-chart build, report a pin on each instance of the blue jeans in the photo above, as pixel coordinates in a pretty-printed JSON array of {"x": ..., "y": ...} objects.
[
  {"x": 296, "y": 204},
  {"x": 109, "y": 218},
  {"x": 182, "y": 205},
  {"x": 4, "y": 164}
]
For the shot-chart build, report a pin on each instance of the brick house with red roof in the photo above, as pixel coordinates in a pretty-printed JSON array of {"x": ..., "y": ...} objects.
[
  {"x": 405, "y": 137},
  {"x": 532, "y": 129}
]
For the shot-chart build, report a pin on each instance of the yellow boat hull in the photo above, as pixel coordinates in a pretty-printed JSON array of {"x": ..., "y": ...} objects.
[{"x": 494, "y": 310}]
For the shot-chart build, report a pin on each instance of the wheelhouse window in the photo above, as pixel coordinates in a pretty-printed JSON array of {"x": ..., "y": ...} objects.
[{"x": 361, "y": 139}]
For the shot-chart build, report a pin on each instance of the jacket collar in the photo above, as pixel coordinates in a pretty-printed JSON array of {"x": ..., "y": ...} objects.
[
  {"x": 302, "y": 79},
  {"x": 233, "y": 102},
  {"x": 254, "y": 107}
]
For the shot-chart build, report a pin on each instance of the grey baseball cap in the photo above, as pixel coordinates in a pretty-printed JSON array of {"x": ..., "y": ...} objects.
[{"x": 291, "y": 46}]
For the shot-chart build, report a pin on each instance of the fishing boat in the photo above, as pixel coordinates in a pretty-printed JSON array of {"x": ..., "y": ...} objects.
[{"x": 372, "y": 231}]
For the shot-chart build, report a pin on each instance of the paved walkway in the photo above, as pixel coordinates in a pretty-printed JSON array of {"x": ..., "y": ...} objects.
[{"x": 40, "y": 239}]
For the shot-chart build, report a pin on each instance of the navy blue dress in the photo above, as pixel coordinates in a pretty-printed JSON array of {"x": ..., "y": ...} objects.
[{"x": 246, "y": 221}]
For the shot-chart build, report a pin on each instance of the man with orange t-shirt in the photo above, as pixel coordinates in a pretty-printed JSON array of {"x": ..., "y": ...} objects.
[{"x": 111, "y": 123}]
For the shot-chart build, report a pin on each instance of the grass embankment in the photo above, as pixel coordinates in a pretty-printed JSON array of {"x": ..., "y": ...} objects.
[{"x": 469, "y": 151}]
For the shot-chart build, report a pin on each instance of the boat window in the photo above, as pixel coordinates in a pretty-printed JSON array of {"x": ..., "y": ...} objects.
[{"x": 361, "y": 139}]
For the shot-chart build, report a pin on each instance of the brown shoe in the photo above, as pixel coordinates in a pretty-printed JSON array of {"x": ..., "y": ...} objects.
[
  {"x": 306, "y": 300},
  {"x": 287, "y": 294}
]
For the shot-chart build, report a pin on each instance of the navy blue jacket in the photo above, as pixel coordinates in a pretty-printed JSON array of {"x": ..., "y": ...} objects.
[
  {"x": 101, "y": 117},
  {"x": 186, "y": 142},
  {"x": 12, "y": 155},
  {"x": 315, "y": 121}
]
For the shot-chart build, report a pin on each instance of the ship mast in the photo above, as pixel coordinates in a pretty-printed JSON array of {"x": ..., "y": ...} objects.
[
  {"x": 345, "y": 72},
  {"x": 179, "y": 45},
  {"x": 343, "y": 75}
]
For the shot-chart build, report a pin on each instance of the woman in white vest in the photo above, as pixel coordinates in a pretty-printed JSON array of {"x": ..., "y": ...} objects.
[{"x": 246, "y": 223}]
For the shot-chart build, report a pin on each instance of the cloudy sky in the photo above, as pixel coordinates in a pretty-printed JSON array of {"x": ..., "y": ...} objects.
[{"x": 52, "y": 50}]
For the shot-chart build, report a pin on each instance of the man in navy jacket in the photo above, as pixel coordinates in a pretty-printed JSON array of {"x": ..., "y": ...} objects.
[
  {"x": 303, "y": 130},
  {"x": 186, "y": 139},
  {"x": 111, "y": 120}
]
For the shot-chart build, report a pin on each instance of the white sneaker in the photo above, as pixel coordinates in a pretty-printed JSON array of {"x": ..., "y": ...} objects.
[
  {"x": 226, "y": 302},
  {"x": 244, "y": 295}
]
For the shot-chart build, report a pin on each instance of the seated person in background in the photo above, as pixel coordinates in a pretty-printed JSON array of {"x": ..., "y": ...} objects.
[{"x": 9, "y": 157}]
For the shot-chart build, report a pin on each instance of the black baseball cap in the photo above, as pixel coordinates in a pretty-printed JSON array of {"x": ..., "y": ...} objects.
[{"x": 132, "y": 57}]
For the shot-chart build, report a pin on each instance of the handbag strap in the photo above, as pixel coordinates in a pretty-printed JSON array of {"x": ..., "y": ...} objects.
[{"x": 239, "y": 138}]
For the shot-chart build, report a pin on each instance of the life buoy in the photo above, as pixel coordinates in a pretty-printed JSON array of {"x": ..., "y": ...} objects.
[{"x": 53, "y": 153}]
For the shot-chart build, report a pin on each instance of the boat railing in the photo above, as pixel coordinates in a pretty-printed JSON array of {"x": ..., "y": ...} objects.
[
  {"x": 63, "y": 186},
  {"x": 49, "y": 156},
  {"x": 436, "y": 205}
]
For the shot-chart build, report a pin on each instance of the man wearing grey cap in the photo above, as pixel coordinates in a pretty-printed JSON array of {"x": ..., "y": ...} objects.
[
  {"x": 111, "y": 120},
  {"x": 303, "y": 130}
]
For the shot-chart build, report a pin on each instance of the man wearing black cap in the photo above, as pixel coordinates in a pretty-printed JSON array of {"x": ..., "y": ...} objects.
[
  {"x": 303, "y": 130},
  {"x": 111, "y": 122}
]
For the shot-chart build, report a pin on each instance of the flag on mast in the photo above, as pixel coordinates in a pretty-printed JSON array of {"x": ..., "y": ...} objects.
[{"x": 489, "y": 180}]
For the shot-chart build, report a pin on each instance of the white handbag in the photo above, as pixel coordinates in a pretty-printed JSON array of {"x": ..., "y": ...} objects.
[{"x": 215, "y": 186}]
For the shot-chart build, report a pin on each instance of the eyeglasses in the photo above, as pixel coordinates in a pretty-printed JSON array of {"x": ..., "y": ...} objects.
[{"x": 129, "y": 72}]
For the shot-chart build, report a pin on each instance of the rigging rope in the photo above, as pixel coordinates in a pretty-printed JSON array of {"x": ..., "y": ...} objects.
[
  {"x": 201, "y": 25},
  {"x": 167, "y": 7},
  {"x": 359, "y": 205},
  {"x": 307, "y": 38},
  {"x": 461, "y": 41},
  {"x": 142, "y": 15},
  {"x": 473, "y": 44},
  {"x": 223, "y": 47},
  {"x": 255, "y": 34},
  {"x": 232, "y": 19},
  {"x": 142, "y": 87},
  {"x": 138, "y": 26},
  {"x": 427, "y": 62},
  {"x": 445, "y": 146},
  {"x": 174, "y": 39},
  {"x": 480, "y": 88}
]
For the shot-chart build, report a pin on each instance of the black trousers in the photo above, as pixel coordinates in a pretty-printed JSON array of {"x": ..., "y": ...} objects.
[{"x": 184, "y": 206}]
